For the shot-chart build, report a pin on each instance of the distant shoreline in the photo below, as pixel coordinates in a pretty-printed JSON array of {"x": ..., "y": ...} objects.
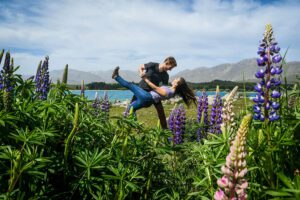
[{"x": 123, "y": 95}]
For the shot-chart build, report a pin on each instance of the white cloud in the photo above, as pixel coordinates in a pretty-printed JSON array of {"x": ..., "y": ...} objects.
[{"x": 98, "y": 35}]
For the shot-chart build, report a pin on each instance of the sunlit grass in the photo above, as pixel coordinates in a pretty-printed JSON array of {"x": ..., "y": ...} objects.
[{"x": 148, "y": 116}]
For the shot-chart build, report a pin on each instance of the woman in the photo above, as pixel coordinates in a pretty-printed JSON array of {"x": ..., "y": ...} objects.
[{"x": 145, "y": 99}]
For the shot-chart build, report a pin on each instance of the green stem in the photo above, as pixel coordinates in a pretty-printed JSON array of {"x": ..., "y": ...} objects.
[{"x": 245, "y": 100}]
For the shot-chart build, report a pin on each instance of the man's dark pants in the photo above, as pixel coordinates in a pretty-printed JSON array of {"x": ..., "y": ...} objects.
[{"x": 160, "y": 112}]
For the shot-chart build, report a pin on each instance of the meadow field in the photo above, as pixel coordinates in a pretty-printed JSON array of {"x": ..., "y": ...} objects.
[
  {"x": 58, "y": 145},
  {"x": 148, "y": 116}
]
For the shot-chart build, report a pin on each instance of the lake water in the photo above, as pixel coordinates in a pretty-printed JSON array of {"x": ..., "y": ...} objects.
[{"x": 123, "y": 95}]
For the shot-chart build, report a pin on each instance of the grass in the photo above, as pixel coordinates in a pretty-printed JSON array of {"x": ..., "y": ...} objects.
[{"x": 148, "y": 116}]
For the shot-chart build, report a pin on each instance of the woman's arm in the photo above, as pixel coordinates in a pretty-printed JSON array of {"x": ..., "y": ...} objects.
[{"x": 159, "y": 90}]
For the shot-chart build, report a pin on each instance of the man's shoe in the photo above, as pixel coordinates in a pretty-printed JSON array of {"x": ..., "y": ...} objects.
[{"x": 115, "y": 72}]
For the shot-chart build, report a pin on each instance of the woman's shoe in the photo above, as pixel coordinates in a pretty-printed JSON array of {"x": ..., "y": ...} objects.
[{"x": 115, "y": 72}]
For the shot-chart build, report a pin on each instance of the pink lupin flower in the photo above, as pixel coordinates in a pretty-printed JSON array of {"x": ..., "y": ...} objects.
[
  {"x": 220, "y": 195},
  {"x": 244, "y": 185},
  {"x": 233, "y": 183},
  {"x": 227, "y": 112},
  {"x": 223, "y": 182}
]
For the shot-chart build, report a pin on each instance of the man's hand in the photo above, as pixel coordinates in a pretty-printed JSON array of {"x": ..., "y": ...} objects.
[{"x": 142, "y": 74}]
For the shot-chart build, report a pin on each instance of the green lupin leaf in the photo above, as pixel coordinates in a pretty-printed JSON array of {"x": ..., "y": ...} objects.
[{"x": 71, "y": 135}]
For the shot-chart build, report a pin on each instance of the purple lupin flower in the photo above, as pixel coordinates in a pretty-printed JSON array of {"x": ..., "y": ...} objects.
[
  {"x": 268, "y": 89},
  {"x": 105, "y": 104},
  {"x": 46, "y": 80},
  {"x": 183, "y": 117},
  {"x": 201, "y": 132},
  {"x": 177, "y": 121},
  {"x": 6, "y": 81},
  {"x": 96, "y": 104},
  {"x": 38, "y": 74},
  {"x": 6, "y": 74},
  {"x": 216, "y": 114},
  {"x": 203, "y": 107},
  {"x": 177, "y": 139},
  {"x": 171, "y": 120},
  {"x": 202, "y": 116},
  {"x": 38, "y": 81},
  {"x": 42, "y": 80},
  {"x": 233, "y": 184}
]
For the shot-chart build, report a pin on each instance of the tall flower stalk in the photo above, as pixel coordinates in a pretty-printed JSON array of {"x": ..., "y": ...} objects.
[
  {"x": 177, "y": 121},
  {"x": 105, "y": 104},
  {"x": 228, "y": 122},
  {"x": 42, "y": 80},
  {"x": 96, "y": 104},
  {"x": 6, "y": 81},
  {"x": 38, "y": 71},
  {"x": 233, "y": 184},
  {"x": 268, "y": 89},
  {"x": 1, "y": 78},
  {"x": 216, "y": 113},
  {"x": 82, "y": 89},
  {"x": 65, "y": 75},
  {"x": 1, "y": 55},
  {"x": 202, "y": 116},
  {"x": 293, "y": 98}
]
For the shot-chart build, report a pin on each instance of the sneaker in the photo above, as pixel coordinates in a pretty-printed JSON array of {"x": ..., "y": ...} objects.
[{"x": 115, "y": 72}]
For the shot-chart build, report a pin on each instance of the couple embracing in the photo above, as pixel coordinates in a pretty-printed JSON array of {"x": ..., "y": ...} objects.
[{"x": 150, "y": 92}]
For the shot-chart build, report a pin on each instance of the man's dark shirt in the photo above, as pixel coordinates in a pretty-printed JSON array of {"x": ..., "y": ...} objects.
[{"x": 153, "y": 74}]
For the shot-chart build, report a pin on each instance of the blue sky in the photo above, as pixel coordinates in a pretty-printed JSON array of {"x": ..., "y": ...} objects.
[{"x": 93, "y": 35}]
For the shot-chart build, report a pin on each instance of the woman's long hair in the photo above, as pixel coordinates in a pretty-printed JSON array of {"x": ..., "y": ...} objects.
[{"x": 185, "y": 92}]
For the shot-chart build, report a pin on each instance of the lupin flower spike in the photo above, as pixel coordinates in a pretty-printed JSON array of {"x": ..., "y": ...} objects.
[
  {"x": 227, "y": 113},
  {"x": 6, "y": 81},
  {"x": 65, "y": 75},
  {"x": 82, "y": 89},
  {"x": 202, "y": 116},
  {"x": 105, "y": 103},
  {"x": 216, "y": 113},
  {"x": 233, "y": 184},
  {"x": 42, "y": 79},
  {"x": 268, "y": 89},
  {"x": 177, "y": 122},
  {"x": 293, "y": 98},
  {"x": 96, "y": 104},
  {"x": 171, "y": 120},
  {"x": 203, "y": 108}
]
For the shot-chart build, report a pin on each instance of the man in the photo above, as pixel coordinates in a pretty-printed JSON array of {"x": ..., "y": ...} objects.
[{"x": 157, "y": 73}]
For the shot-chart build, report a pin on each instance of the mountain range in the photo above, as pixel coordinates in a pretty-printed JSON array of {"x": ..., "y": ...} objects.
[{"x": 227, "y": 71}]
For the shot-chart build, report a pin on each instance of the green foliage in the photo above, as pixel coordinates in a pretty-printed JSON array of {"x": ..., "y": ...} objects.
[{"x": 59, "y": 149}]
